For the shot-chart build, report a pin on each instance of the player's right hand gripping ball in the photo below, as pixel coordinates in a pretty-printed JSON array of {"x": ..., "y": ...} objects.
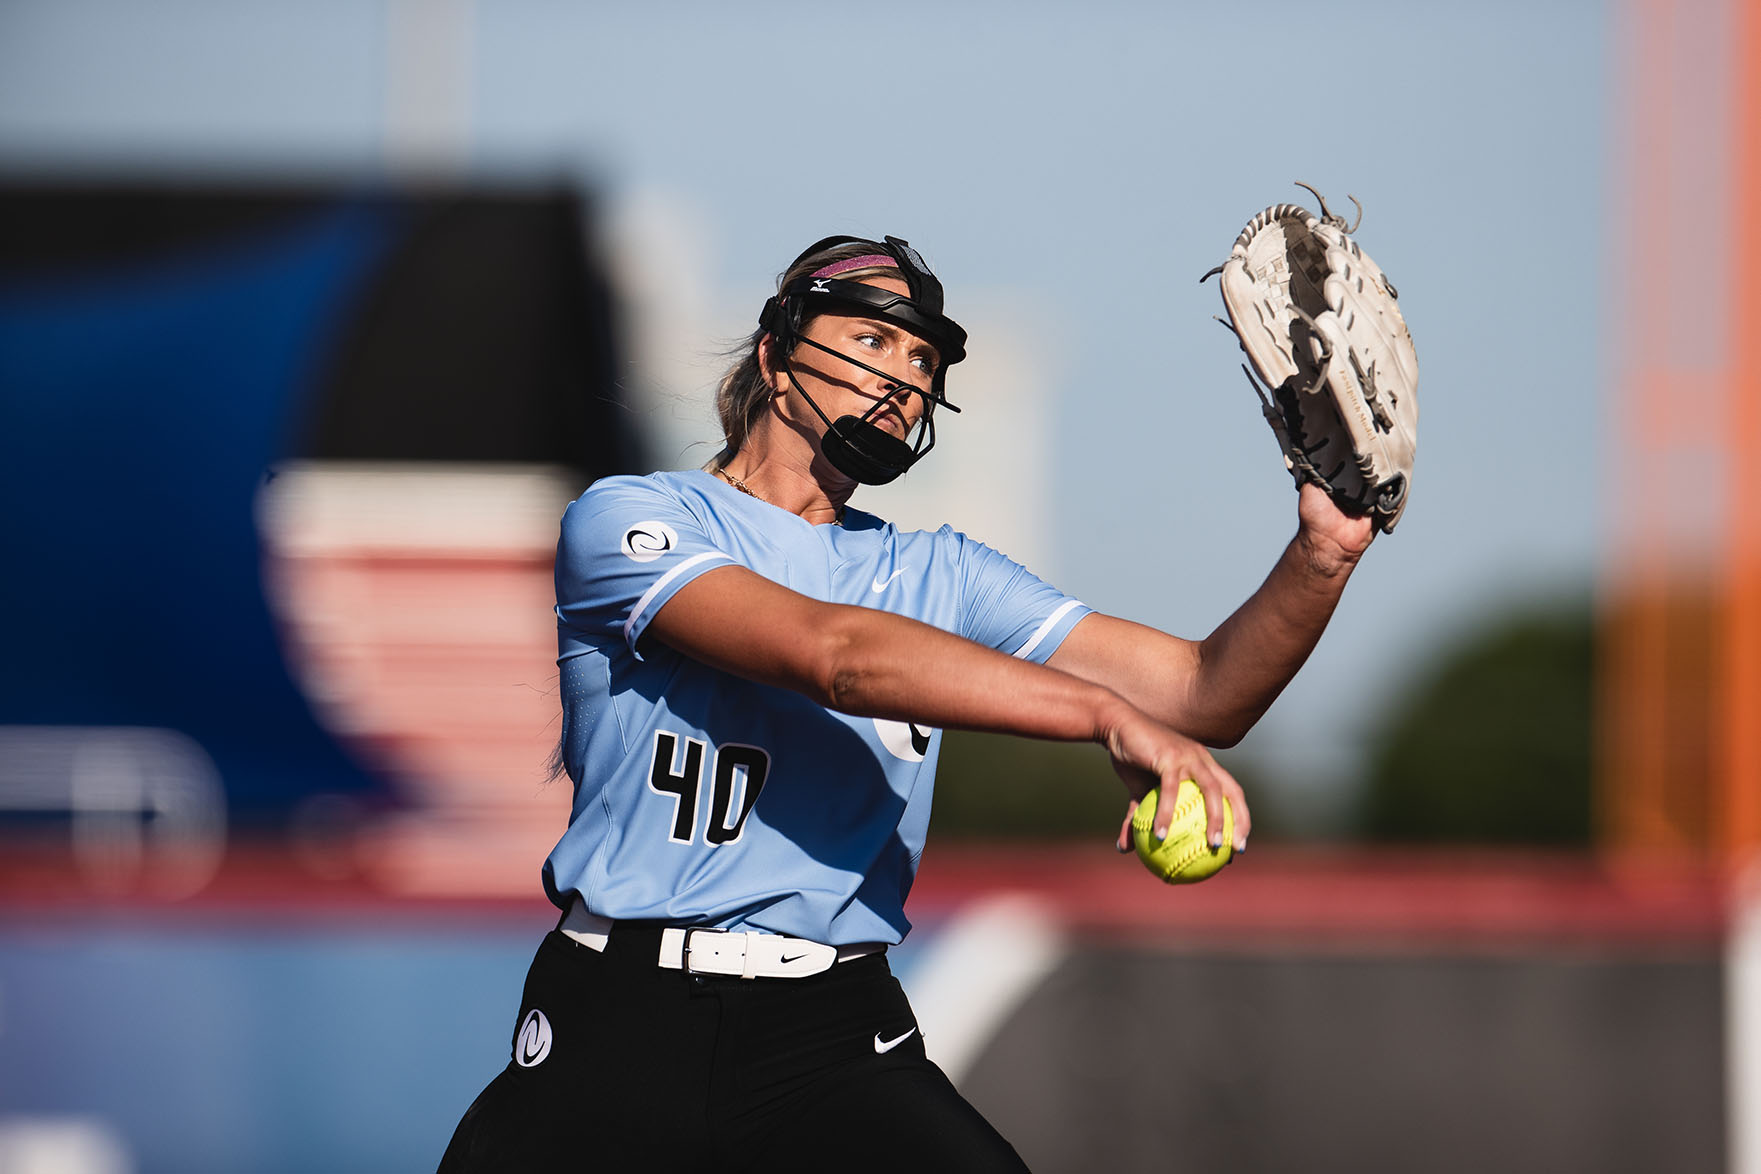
[{"x": 1186, "y": 856}]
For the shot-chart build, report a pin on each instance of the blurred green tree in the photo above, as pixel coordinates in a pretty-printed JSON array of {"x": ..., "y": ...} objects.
[
  {"x": 1493, "y": 744},
  {"x": 990, "y": 786}
]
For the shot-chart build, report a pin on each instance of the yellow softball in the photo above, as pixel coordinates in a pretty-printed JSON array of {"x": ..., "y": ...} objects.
[{"x": 1185, "y": 857}]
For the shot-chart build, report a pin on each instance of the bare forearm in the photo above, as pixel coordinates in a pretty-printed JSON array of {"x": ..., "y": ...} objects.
[
  {"x": 1254, "y": 654},
  {"x": 1216, "y": 689},
  {"x": 888, "y": 666}
]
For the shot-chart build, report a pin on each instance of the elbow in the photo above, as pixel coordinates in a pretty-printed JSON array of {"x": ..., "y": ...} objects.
[
  {"x": 1224, "y": 740},
  {"x": 1218, "y": 728},
  {"x": 1218, "y": 731},
  {"x": 853, "y": 663},
  {"x": 1225, "y": 731},
  {"x": 843, "y": 692},
  {"x": 835, "y": 674}
]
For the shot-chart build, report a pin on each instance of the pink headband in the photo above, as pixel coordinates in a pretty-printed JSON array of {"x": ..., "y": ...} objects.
[{"x": 837, "y": 267}]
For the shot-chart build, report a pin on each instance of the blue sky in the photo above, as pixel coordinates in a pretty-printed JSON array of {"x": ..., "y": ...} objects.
[{"x": 1085, "y": 161}]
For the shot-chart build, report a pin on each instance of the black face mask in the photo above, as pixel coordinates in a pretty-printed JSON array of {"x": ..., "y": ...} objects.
[{"x": 855, "y": 445}]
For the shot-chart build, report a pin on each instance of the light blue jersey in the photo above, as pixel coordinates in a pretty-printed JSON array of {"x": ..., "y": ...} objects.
[{"x": 704, "y": 798}]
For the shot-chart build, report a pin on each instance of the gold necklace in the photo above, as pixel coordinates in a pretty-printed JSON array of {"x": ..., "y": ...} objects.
[
  {"x": 738, "y": 484},
  {"x": 838, "y": 516}
]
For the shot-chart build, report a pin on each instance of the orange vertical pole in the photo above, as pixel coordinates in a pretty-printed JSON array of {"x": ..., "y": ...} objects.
[
  {"x": 1679, "y": 684},
  {"x": 1739, "y": 806},
  {"x": 1633, "y": 685}
]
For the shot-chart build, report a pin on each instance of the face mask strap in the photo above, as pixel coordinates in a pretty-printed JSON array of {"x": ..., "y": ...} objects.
[{"x": 860, "y": 448}]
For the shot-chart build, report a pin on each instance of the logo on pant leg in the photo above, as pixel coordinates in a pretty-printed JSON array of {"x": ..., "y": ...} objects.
[
  {"x": 882, "y": 1047},
  {"x": 533, "y": 1042}
]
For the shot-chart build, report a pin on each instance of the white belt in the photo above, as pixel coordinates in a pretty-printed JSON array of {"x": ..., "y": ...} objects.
[{"x": 731, "y": 952}]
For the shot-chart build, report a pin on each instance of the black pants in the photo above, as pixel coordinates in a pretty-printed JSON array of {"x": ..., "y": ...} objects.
[{"x": 645, "y": 1069}]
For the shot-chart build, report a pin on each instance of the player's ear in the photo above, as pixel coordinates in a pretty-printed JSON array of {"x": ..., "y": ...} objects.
[{"x": 769, "y": 360}]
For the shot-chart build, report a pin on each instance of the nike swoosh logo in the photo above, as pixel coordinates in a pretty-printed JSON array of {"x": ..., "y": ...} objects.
[
  {"x": 879, "y": 585},
  {"x": 785, "y": 959},
  {"x": 881, "y": 1047}
]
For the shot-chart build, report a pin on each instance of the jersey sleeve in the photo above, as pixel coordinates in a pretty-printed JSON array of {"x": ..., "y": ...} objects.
[
  {"x": 627, "y": 546},
  {"x": 1007, "y": 607}
]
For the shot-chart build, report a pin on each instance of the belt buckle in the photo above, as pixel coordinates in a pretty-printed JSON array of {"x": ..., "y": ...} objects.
[
  {"x": 760, "y": 955},
  {"x": 685, "y": 949}
]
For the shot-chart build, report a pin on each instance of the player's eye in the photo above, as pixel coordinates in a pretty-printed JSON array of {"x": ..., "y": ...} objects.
[{"x": 871, "y": 341}]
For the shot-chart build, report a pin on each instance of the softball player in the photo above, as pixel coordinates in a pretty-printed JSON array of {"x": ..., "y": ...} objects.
[{"x": 754, "y": 676}]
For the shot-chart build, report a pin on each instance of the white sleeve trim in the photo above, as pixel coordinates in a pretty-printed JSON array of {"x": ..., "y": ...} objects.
[
  {"x": 1045, "y": 629},
  {"x": 659, "y": 585}
]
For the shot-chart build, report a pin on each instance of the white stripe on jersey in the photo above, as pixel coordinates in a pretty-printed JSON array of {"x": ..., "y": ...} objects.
[
  {"x": 1045, "y": 629},
  {"x": 659, "y": 584}
]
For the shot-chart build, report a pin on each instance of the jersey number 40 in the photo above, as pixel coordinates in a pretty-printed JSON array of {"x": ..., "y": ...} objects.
[{"x": 736, "y": 779}]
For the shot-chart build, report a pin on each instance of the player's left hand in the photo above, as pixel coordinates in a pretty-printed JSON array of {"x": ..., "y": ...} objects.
[{"x": 1333, "y": 539}]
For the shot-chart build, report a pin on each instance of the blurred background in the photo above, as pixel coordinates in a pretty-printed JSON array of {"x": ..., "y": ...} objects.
[{"x": 314, "y": 315}]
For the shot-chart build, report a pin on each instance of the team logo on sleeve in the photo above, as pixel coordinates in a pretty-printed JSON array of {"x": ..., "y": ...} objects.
[
  {"x": 647, "y": 541},
  {"x": 533, "y": 1042},
  {"x": 903, "y": 739}
]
